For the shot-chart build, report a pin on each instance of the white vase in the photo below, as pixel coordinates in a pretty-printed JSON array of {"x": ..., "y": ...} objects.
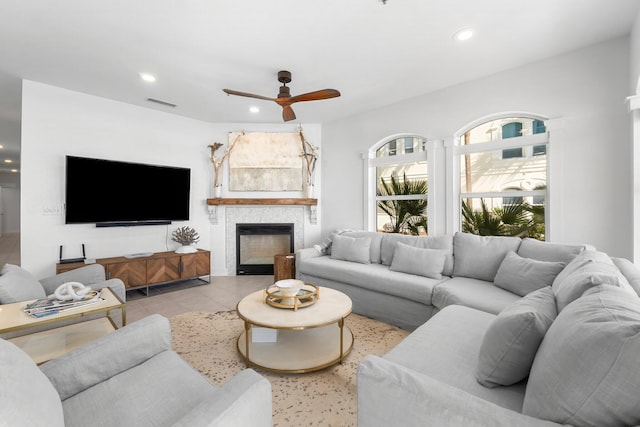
[
  {"x": 186, "y": 249},
  {"x": 307, "y": 192},
  {"x": 217, "y": 191}
]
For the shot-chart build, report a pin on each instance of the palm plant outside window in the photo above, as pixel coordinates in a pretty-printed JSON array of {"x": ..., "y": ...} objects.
[
  {"x": 503, "y": 178},
  {"x": 401, "y": 186}
]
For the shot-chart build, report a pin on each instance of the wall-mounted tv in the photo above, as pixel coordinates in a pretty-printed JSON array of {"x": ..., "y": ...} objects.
[{"x": 114, "y": 193}]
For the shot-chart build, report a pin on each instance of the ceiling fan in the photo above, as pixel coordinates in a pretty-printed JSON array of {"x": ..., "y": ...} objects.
[{"x": 285, "y": 99}]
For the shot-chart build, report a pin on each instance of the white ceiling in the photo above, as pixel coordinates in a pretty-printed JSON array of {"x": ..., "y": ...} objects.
[{"x": 374, "y": 53}]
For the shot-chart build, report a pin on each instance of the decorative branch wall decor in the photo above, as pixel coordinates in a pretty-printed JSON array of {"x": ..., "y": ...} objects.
[
  {"x": 263, "y": 161},
  {"x": 218, "y": 162}
]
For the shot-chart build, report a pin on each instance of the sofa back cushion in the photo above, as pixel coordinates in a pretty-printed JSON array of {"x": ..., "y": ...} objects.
[
  {"x": 589, "y": 269},
  {"x": 419, "y": 261},
  {"x": 354, "y": 249},
  {"x": 630, "y": 272},
  {"x": 586, "y": 371},
  {"x": 511, "y": 342},
  {"x": 443, "y": 242},
  {"x": 374, "y": 248},
  {"x": 17, "y": 284},
  {"x": 524, "y": 275},
  {"x": 545, "y": 251},
  {"x": 28, "y": 398},
  {"x": 479, "y": 257}
]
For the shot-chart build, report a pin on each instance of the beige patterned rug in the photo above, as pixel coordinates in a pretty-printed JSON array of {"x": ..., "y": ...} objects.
[{"x": 325, "y": 398}]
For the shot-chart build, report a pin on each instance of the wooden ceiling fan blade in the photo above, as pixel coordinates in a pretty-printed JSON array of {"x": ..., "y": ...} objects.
[
  {"x": 287, "y": 113},
  {"x": 315, "y": 96},
  {"x": 248, "y": 95}
]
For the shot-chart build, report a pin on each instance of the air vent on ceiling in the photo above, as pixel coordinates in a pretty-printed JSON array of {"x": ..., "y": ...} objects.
[{"x": 165, "y": 103}]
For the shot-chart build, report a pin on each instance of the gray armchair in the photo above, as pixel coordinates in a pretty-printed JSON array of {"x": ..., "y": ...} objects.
[{"x": 131, "y": 377}]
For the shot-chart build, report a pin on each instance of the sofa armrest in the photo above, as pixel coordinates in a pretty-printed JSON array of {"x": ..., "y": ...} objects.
[
  {"x": 108, "y": 356},
  {"x": 86, "y": 275},
  {"x": 244, "y": 400},
  {"x": 390, "y": 394},
  {"x": 306, "y": 253}
]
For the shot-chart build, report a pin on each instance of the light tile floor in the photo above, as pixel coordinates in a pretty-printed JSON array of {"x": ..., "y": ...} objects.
[{"x": 223, "y": 293}]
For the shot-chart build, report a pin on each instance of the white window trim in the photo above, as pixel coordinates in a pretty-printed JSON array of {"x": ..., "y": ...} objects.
[
  {"x": 455, "y": 149},
  {"x": 371, "y": 162}
]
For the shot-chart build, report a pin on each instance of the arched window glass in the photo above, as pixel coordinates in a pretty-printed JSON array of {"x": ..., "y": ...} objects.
[
  {"x": 503, "y": 177},
  {"x": 399, "y": 174}
]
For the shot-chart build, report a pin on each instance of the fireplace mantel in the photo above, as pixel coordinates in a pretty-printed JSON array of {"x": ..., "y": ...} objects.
[
  {"x": 261, "y": 201},
  {"x": 213, "y": 204}
]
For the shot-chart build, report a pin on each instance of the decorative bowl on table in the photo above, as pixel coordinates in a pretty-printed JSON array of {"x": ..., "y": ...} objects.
[{"x": 289, "y": 288}]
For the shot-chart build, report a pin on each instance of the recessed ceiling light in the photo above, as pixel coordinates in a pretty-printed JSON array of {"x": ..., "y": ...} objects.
[
  {"x": 463, "y": 34},
  {"x": 148, "y": 77},
  {"x": 1, "y": 146},
  {"x": 8, "y": 161},
  {"x": 253, "y": 109},
  {"x": 14, "y": 170}
]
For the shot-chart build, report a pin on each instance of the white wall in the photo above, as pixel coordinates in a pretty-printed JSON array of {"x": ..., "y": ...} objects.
[
  {"x": 57, "y": 122},
  {"x": 587, "y": 88},
  {"x": 10, "y": 202}
]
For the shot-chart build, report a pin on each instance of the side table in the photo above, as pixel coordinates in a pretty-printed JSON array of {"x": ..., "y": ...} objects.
[{"x": 284, "y": 267}]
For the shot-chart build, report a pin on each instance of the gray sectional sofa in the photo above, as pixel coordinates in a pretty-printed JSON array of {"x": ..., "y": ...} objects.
[
  {"x": 519, "y": 333},
  {"x": 408, "y": 289}
]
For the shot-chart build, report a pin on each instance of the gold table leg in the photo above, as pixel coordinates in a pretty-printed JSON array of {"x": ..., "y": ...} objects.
[
  {"x": 341, "y": 326},
  {"x": 247, "y": 340}
]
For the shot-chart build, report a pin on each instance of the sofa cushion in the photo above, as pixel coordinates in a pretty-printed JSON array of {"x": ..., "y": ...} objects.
[
  {"x": 376, "y": 240},
  {"x": 586, "y": 371},
  {"x": 512, "y": 340},
  {"x": 374, "y": 277},
  {"x": 523, "y": 275},
  {"x": 159, "y": 391},
  {"x": 17, "y": 284},
  {"x": 446, "y": 348},
  {"x": 596, "y": 268},
  {"x": 27, "y": 398},
  {"x": 479, "y": 257},
  {"x": 354, "y": 249},
  {"x": 423, "y": 262},
  {"x": 545, "y": 251},
  {"x": 478, "y": 294},
  {"x": 445, "y": 242}
]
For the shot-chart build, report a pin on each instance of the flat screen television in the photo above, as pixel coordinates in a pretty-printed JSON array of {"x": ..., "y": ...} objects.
[{"x": 114, "y": 193}]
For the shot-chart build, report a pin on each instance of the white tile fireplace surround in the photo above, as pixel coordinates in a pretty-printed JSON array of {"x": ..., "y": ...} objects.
[{"x": 260, "y": 214}]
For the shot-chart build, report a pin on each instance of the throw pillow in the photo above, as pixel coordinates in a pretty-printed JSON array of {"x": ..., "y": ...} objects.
[
  {"x": 586, "y": 370},
  {"x": 17, "y": 284},
  {"x": 419, "y": 261},
  {"x": 545, "y": 251},
  {"x": 354, "y": 249},
  {"x": 524, "y": 275},
  {"x": 479, "y": 257},
  {"x": 595, "y": 269},
  {"x": 512, "y": 340}
]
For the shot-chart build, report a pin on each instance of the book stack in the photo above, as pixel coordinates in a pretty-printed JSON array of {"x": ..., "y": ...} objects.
[{"x": 52, "y": 305}]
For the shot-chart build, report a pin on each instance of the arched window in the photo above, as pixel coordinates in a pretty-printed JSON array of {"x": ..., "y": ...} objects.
[
  {"x": 398, "y": 185},
  {"x": 502, "y": 163}
]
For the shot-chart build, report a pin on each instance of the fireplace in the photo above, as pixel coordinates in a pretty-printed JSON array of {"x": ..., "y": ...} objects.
[{"x": 257, "y": 244}]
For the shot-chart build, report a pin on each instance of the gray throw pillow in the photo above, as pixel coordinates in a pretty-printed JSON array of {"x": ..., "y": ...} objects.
[
  {"x": 354, "y": 249},
  {"x": 419, "y": 261},
  {"x": 479, "y": 257},
  {"x": 512, "y": 340},
  {"x": 17, "y": 284},
  {"x": 524, "y": 275},
  {"x": 596, "y": 268},
  {"x": 586, "y": 370}
]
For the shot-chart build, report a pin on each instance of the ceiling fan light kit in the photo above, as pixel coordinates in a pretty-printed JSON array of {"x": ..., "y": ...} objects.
[{"x": 285, "y": 99}]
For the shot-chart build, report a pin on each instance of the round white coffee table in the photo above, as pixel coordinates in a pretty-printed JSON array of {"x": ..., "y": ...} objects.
[{"x": 306, "y": 340}]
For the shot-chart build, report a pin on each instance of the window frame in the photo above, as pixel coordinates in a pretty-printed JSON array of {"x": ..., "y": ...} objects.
[{"x": 458, "y": 149}]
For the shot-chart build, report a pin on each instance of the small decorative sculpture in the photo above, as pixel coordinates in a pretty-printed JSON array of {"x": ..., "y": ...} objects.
[
  {"x": 71, "y": 291},
  {"x": 186, "y": 236}
]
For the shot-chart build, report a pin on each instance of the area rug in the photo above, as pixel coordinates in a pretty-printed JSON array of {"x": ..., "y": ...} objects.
[{"x": 207, "y": 341}]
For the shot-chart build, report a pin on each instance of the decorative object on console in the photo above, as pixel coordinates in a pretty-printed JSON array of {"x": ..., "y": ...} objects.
[
  {"x": 217, "y": 164},
  {"x": 71, "y": 291},
  {"x": 186, "y": 236}
]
